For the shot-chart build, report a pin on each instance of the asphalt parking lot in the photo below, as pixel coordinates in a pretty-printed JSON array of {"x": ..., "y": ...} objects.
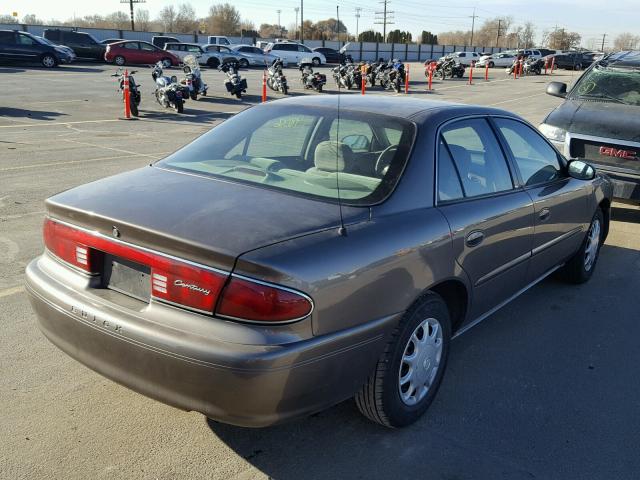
[{"x": 545, "y": 388}]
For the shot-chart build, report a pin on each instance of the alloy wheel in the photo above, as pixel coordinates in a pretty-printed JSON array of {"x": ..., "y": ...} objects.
[{"x": 420, "y": 361}]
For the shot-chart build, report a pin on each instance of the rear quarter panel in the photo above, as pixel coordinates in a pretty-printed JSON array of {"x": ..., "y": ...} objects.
[{"x": 378, "y": 269}]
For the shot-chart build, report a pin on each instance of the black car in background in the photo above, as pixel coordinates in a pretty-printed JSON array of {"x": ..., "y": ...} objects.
[
  {"x": 22, "y": 46},
  {"x": 332, "y": 55},
  {"x": 84, "y": 44},
  {"x": 109, "y": 41},
  {"x": 573, "y": 60},
  {"x": 600, "y": 120}
]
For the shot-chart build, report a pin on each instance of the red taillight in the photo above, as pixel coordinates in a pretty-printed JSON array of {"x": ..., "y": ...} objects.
[
  {"x": 64, "y": 244},
  {"x": 244, "y": 299},
  {"x": 180, "y": 282}
]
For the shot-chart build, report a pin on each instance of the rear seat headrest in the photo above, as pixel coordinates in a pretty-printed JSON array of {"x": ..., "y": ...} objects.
[{"x": 331, "y": 156}]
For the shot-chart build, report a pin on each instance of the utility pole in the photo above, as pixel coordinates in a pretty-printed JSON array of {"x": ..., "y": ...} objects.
[
  {"x": 301, "y": 21},
  {"x": 297, "y": 9},
  {"x": 386, "y": 19},
  {"x": 358, "y": 10},
  {"x": 338, "y": 23},
  {"x": 498, "y": 35},
  {"x": 603, "y": 37},
  {"x": 279, "y": 27},
  {"x": 473, "y": 24},
  {"x": 130, "y": 2}
]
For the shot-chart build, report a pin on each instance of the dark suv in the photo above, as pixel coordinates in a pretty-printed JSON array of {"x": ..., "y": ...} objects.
[
  {"x": 22, "y": 46},
  {"x": 600, "y": 120},
  {"x": 84, "y": 44},
  {"x": 573, "y": 60}
]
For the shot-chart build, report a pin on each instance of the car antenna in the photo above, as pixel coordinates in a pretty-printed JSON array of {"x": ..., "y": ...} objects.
[{"x": 342, "y": 231}]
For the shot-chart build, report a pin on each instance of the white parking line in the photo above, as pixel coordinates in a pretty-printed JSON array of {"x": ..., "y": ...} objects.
[
  {"x": 152, "y": 155},
  {"x": 52, "y": 124},
  {"x": 71, "y": 162},
  {"x": 516, "y": 99},
  {"x": 11, "y": 291},
  {"x": 57, "y": 101}
]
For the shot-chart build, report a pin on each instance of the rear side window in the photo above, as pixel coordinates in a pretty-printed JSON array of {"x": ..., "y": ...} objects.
[
  {"x": 132, "y": 46},
  {"x": 478, "y": 158},
  {"x": 146, "y": 46},
  {"x": 537, "y": 161},
  {"x": 449, "y": 187}
]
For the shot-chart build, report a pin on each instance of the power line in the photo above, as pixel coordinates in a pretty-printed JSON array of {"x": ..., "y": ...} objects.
[{"x": 386, "y": 19}]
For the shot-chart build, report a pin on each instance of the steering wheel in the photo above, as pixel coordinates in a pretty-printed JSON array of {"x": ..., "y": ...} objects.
[{"x": 384, "y": 160}]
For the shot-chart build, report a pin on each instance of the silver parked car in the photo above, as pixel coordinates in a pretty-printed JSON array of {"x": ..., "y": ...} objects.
[
  {"x": 226, "y": 54},
  {"x": 300, "y": 254},
  {"x": 256, "y": 56}
]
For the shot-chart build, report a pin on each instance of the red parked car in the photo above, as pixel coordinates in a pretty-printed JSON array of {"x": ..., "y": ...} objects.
[{"x": 131, "y": 51}]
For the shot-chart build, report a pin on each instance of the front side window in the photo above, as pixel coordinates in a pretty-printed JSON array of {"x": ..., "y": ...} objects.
[
  {"x": 307, "y": 151},
  {"x": 26, "y": 40},
  {"x": 478, "y": 158},
  {"x": 537, "y": 161}
]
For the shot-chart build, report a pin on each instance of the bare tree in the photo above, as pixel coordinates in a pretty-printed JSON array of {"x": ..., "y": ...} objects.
[
  {"x": 562, "y": 40},
  {"x": 118, "y": 20},
  {"x": 527, "y": 35},
  {"x": 223, "y": 19},
  {"x": 142, "y": 20},
  {"x": 8, "y": 19},
  {"x": 31, "y": 19},
  {"x": 167, "y": 18},
  {"x": 186, "y": 20},
  {"x": 626, "y": 41}
]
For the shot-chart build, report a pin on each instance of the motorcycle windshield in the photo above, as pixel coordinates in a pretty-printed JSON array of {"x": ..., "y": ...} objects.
[{"x": 191, "y": 62}]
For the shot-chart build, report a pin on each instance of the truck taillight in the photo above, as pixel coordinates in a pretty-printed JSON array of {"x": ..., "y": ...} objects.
[{"x": 249, "y": 300}]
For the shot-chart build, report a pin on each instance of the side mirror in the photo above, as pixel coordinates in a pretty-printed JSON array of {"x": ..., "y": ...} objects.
[
  {"x": 557, "y": 89},
  {"x": 356, "y": 142},
  {"x": 581, "y": 170}
]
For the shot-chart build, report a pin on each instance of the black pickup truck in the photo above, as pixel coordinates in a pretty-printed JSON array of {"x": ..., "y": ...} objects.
[{"x": 600, "y": 120}]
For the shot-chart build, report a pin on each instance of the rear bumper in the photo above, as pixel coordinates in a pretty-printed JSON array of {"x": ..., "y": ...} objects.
[{"x": 247, "y": 385}]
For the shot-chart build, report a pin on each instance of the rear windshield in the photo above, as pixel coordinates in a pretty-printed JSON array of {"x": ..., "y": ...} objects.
[
  {"x": 620, "y": 85},
  {"x": 306, "y": 151}
]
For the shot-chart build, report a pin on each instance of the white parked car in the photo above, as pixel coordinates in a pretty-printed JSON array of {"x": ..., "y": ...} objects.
[
  {"x": 181, "y": 50},
  {"x": 501, "y": 59},
  {"x": 218, "y": 40},
  {"x": 464, "y": 58},
  {"x": 529, "y": 53},
  {"x": 293, "y": 52}
]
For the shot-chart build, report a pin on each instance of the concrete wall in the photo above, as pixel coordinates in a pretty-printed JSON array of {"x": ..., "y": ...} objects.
[{"x": 367, "y": 51}]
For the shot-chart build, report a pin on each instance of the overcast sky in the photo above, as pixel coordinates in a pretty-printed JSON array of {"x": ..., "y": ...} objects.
[{"x": 591, "y": 18}]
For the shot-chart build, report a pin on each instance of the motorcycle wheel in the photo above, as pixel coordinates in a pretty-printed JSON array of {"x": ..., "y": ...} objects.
[
  {"x": 179, "y": 105},
  {"x": 133, "y": 106},
  {"x": 239, "y": 95},
  {"x": 269, "y": 84},
  {"x": 319, "y": 88},
  {"x": 443, "y": 74},
  {"x": 460, "y": 74},
  {"x": 193, "y": 95},
  {"x": 285, "y": 90}
]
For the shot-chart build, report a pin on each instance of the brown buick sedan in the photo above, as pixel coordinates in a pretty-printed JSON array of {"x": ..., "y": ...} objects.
[{"x": 305, "y": 252}]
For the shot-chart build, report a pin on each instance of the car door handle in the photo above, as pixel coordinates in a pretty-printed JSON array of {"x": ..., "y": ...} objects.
[
  {"x": 474, "y": 239},
  {"x": 544, "y": 214}
]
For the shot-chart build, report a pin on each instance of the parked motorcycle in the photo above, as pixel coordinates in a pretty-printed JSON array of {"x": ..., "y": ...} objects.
[
  {"x": 341, "y": 76},
  {"x": 134, "y": 92},
  {"x": 533, "y": 65},
  {"x": 276, "y": 80},
  {"x": 235, "y": 84},
  {"x": 355, "y": 75},
  {"x": 169, "y": 93},
  {"x": 449, "y": 67},
  {"x": 393, "y": 77},
  {"x": 310, "y": 79},
  {"x": 193, "y": 78}
]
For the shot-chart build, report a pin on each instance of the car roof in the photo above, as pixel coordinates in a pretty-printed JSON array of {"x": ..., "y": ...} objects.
[
  {"x": 627, "y": 58},
  {"x": 403, "y": 107}
]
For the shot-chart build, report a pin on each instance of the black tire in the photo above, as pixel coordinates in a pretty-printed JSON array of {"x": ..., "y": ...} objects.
[
  {"x": 243, "y": 63},
  {"x": 48, "y": 61},
  {"x": 578, "y": 66},
  {"x": 576, "y": 269},
  {"x": 460, "y": 74},
  {"x": 285, "y": 90},
  {"x": 379, "y": 398},
  {"x": 179, "y": 103},
  {"x": 213, "y": 62},
  {"x": 319, "y": 88},
  {"x": 239, "y": 95},
  {"x": 315, "y": 61},
  {"x": 491, "y": 64},
  {"x": 133, "y": 106},
  {"x": 166, "y": 62},
  {"x": 119, "y": 60}
]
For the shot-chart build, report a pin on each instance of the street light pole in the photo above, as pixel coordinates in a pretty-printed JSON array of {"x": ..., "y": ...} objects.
[
  {"x": 297, "y": 9},
  {"x": 301, "y": 21}
]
